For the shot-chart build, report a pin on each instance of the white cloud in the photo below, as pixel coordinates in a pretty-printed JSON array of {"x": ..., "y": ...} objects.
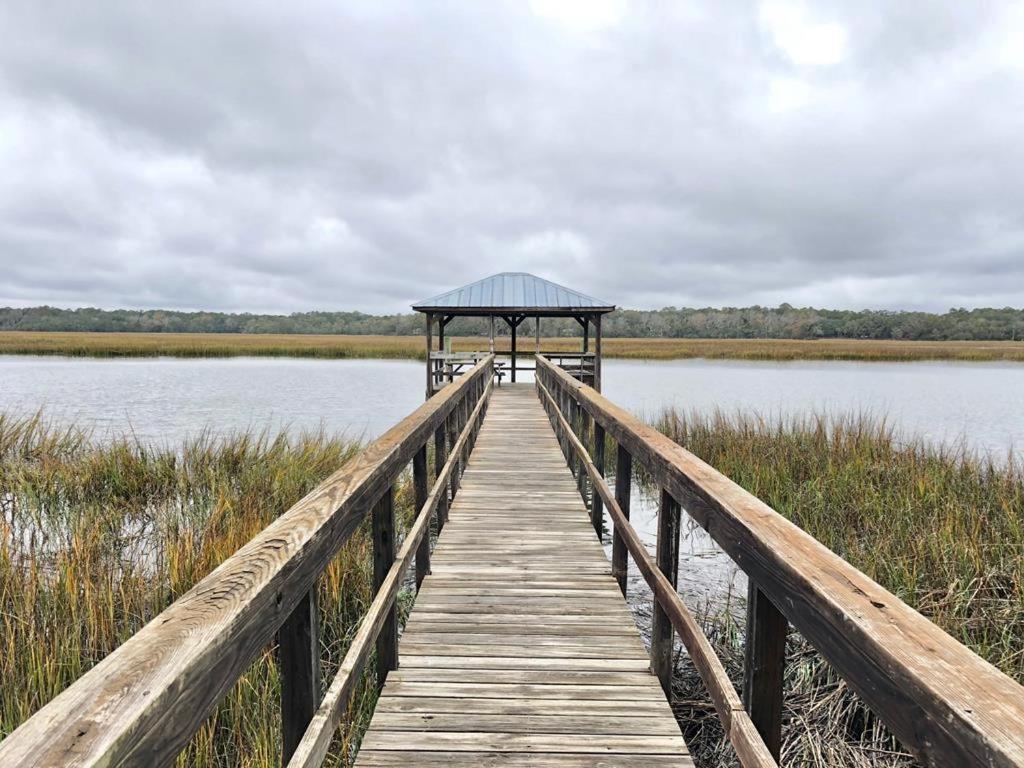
[{"x": 806, "y": 42}]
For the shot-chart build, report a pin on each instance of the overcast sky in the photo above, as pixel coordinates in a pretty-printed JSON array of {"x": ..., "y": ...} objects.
[{"x": 346, "y": 155}]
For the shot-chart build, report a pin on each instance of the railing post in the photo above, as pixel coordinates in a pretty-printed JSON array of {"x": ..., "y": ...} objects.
[
  {"x": 764, "y": 670},
  {"x": 584, "y": 427},
  {"x": 383, "y": 557},
  {"x": 419, "y": 482},
  {"x": 667, "y": 557},
  {"x": 596, "y": 505},
  {"x": 299, "y": 657},
  {"x": 570, "y": 416},
  {"x": 623, "y": 489},
  {"x": 440, "y": 459},
  {"x": 453, "y": 437}
]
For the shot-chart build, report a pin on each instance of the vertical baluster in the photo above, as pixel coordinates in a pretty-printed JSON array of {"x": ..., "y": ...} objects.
[
  {"x": 570, "y": 416},
  {"x": 383, "y": 522},
  {"x": 440, "y": 459},
  {"x": 764, "y": 671},
  {"x": 419, "y": 484},
  {"x": 584, "y": 427},
  {"x": 667, "y": 557},
  {"x": 453, "y": 436},
  {"x": 596, "y": 505},
  {"x": 623, "y": 489},
  {"x": 299, "y": 657}
]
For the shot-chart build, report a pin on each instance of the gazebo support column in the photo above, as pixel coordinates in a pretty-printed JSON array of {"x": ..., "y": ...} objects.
[
  {"x": 430, "y": 363},
  {"x": 597, "y": 352},
  {"x": 491, "y": 318},
  {"x": 536, "y": 327},
  {"x": 514, "y": 326}
]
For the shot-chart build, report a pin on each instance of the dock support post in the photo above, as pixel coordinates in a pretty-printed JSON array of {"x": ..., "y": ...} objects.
[
  {"x": 440, "y": 459},
  {"x": 623, "y": 489},
  {"x": 383, "y": 558},
  {"x": 596, "y": 505},
  {"x": 764, "y": 670},
  {"x": 299, "y": 657},
  {"x": 419, "y": 482},
  {"x": 667, "y": 557}
]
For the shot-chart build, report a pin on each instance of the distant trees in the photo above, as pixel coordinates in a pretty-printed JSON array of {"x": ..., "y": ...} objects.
[{"x": 782, "y": 322}]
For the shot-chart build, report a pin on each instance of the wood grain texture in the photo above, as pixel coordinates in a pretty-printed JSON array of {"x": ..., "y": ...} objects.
[
  {"x": 745, "y": 739},
  {"x": 519, "y": 649},
  {"x": 143, "y": 702},
  {"x": 945, "y": 703}
]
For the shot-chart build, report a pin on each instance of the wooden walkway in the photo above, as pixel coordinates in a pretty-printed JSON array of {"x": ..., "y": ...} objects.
[{"x": 520, "y": 649}]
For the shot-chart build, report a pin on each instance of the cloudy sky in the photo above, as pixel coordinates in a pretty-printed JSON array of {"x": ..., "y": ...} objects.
[{"x": 361, "y": 155}]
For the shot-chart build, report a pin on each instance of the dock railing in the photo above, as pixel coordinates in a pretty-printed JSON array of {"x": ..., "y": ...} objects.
[
  {"x": 144, "y": 701},
  {"x": 943, "y": 702}
]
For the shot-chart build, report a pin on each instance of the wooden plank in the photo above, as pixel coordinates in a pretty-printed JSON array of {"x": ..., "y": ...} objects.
[
  {"x": 488, "y": 741},
  {"x": 389, "y": 759},
  {"x": 596, "y": 725},
  {"x": 521, "y": 644}
]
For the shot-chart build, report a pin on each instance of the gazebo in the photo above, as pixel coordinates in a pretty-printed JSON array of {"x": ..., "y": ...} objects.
[{"x": 512, "y": 297}]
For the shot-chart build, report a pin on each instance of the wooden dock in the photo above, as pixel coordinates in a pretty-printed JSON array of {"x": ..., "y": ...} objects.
[{"x": 520, "y": 649}]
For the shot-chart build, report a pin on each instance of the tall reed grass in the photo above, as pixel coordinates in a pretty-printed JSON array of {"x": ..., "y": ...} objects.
[
  {"x": 97, "y": 538},
  {"x": 941, "y": 528}
]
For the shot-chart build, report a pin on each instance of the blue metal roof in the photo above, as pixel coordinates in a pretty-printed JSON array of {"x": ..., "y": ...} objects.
[{"x": 514, "y": 290}]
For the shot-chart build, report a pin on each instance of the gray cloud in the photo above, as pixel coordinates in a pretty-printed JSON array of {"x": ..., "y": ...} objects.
[{"x": 244, "y": 156}]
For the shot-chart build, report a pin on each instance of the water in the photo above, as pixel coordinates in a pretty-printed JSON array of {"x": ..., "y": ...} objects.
[
  {"x": 166, "y": 400},
  {"x": 977, "y": 405}
]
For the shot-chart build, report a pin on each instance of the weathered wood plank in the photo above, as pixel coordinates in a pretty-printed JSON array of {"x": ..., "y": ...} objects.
[{"x": 519, "y": 642}]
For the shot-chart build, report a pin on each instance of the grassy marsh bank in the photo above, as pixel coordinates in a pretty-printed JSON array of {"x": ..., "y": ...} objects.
[
  {"x": 942, "y": 530},
  {"x": 96, "y": 539},
  {"x": 411, "y": 347}
]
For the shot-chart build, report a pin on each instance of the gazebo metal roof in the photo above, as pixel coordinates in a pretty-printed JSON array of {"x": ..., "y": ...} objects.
[{"x": 513, "y": 293}]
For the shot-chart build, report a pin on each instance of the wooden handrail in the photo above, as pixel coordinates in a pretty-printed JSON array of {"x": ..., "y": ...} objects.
[
  {"x": 739, "y": 728},
  {"x": 143, "y": 702},
  {"x": 313, "y": 748},
  {"x": 941, "y": 700}
]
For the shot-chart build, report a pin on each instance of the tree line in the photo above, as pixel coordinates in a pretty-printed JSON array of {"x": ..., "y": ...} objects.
[{"x": 782, "y": 322}]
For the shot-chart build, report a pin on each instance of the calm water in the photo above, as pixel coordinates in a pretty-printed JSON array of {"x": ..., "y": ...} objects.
[{"x": 979, "y": 405}]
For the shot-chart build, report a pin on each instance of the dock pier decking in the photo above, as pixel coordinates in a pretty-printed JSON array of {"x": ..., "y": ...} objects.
[{"x": 520, "y": 649}]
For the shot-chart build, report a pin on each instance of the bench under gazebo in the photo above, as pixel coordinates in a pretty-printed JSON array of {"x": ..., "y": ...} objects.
[{"x": 512, "y": 297}]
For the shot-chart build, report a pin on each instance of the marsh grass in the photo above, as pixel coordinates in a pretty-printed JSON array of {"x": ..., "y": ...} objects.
[
  {"x": 411, "y": 347},
  {"x": 943, "y": 529},
  {"x": 96, "y": 539}
]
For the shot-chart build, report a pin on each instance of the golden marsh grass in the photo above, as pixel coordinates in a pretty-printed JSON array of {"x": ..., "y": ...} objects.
[{"x": 411, "y": 347}]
